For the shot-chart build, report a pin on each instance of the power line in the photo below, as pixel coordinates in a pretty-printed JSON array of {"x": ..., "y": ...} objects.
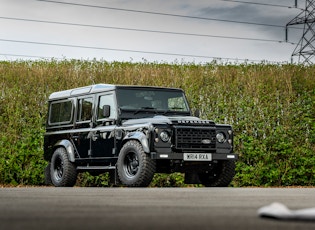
[
  {"x": 64, "y": 58},
  {"x": 124, "y": 50},
  {"x": 22, "y": 55},
  {"x": 261, "y": 4},
  {"x": 142, "y": 30},
  {"x": 160, "y": 13}
]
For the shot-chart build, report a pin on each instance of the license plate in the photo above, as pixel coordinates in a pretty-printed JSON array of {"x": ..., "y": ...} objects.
[{"x": 197, "y": 156}]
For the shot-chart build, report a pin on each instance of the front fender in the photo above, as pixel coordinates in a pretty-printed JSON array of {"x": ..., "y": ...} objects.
[
  {"x": 69, "y": 148},
  {"x": 141, "y": 137}
]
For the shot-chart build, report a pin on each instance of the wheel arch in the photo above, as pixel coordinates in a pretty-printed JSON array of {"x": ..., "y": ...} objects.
[
  {"x": 138, "y": 136},
  {"x": 68, "y": 147}
]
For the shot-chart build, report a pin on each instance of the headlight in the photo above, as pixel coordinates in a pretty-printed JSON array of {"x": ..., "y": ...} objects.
[
  {"x": 221, "y": 137},
  {"x": 165, "y": 136}
]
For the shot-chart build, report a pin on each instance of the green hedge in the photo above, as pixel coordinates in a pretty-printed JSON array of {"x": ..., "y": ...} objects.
[{"x": 271, "y": 108}]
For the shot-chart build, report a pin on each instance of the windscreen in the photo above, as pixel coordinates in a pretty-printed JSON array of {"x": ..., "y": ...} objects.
[{"x": 156, "y": 99}]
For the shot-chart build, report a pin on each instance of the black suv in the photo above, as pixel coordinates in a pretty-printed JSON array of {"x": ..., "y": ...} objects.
[{"x": 133, "y": 132}]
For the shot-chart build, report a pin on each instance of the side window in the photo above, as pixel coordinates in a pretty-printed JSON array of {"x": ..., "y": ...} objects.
[
  {"x": 106, "y": 100},
  {"x": 85, "y": 109},
  {"x": 61, "y": 112}
]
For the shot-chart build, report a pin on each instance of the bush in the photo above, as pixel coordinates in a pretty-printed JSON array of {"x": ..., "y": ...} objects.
[{"x": 271, "y": 108}]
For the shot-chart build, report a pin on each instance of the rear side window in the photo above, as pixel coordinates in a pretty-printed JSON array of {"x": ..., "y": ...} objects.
[
  {"x": 85, "y": 109},
  {"x": 61, "y": 112}
]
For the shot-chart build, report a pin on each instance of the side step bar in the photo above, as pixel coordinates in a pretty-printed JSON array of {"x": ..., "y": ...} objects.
[
  {"x": 87, "y": 168},
  {"x": 113, "y": 177}
]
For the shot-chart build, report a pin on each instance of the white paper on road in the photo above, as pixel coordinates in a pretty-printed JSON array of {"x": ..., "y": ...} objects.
[{"x": 280, "y": 211}]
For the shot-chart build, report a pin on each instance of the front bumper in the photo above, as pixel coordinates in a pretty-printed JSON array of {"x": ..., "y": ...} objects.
[{"x": 180, "y": 156}]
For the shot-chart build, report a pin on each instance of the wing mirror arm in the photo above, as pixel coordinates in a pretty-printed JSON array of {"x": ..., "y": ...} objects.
[{"x": 197, "y": 113}]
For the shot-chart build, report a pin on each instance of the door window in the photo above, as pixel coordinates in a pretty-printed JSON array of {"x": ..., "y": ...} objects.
[{"x": 106, "y": 100}]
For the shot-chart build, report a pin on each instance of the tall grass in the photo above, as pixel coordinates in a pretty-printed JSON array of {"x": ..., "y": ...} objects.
[{"x": 271, "y": 108}]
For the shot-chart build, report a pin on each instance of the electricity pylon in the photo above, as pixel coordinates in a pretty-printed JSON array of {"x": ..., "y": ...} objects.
[{"x": 305, "y": 49}]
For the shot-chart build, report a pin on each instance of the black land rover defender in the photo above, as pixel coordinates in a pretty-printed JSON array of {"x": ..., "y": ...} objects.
[{"x": 133, "y": 132}]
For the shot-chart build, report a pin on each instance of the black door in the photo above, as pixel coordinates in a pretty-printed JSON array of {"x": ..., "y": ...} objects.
[
  {"x": 82, "y": 132},
  {"x": 103, "y": 135}
]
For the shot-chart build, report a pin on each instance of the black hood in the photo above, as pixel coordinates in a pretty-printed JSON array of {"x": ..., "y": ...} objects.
[{"x": 172, "y": 120}]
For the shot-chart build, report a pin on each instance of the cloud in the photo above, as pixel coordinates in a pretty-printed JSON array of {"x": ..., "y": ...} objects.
[
  {"x": 249, "y": 13},
  {"x": 154, "y": 42}
]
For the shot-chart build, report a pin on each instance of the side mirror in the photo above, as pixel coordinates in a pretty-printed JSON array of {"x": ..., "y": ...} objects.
[
  {"x": 106, "y": 111},
  {"x": 197, "y": 113}
]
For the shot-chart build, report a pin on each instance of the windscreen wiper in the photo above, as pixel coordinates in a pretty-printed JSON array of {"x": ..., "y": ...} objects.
[
  {"x": 145, "y": 109},
  {"x": 174, "y": 110}
]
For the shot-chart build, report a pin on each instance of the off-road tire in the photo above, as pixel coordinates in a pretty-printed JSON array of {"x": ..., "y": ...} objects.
[
  {"x": 63, "y": 173},
  {"x": 135, "y": 168},
  {"x": 221, "y": 175}
]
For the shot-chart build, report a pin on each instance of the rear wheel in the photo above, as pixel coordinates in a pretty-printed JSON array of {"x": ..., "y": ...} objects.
[
  {"x": 135, "y": 168},
  {"x": 63, "y": 173},
  {"x": 221, "y": 175}
]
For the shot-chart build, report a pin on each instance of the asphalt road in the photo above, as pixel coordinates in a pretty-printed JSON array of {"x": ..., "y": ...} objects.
[{"x": 148, "y": 208}]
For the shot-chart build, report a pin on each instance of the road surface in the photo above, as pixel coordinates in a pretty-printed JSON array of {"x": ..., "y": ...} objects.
[{"x": 148, "y": 208}]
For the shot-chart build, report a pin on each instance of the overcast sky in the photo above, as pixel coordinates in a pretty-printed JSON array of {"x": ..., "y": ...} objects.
[{"x": 25, "y": 31}]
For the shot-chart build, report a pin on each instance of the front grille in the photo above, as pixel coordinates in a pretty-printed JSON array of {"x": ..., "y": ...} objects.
[{"x": 195, "y": 138}]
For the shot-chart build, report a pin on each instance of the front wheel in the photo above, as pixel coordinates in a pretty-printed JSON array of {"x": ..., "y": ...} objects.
[
  {"x": 220, "y": 176},
  {"x": 63, "y": 173},
  {"x": 135, "y": 168}
]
